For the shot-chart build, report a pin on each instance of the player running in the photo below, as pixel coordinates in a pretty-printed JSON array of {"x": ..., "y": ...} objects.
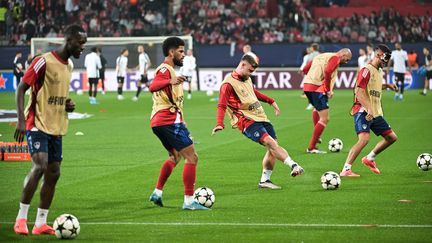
[
  {"x": 321, "y": 74},
  {"x": 368, "y": 113},
  {"x": 45, "y": 122},
  {"x": 168, "y": 125},
  {"x": 241, "y": 100}
]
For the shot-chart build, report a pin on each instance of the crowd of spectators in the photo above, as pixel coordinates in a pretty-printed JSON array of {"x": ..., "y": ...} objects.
[{"x": 209, "y": 21}]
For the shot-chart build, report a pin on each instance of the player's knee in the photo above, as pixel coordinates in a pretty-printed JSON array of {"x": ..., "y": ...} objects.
[
  {"x": 363, "y": 141},
  {"x": 193, "y": 159},
  {"x": 38, "y": 170},
  {"x": 392, "y": 138},
  {"x": 325, "y": 120}
]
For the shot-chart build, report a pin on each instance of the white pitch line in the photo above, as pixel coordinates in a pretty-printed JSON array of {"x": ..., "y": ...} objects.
[{"x": 257, "y": 224}]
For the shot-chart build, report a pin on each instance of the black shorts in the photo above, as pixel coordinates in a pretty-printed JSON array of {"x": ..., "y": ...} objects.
[
  {"x": 93, "y": 80},
  {"x": 102, "y": 75},
  {"x": 399, "y": 77},
  {"x": 144, "y": 79},
  {"x": 318, "y": 100},
  {"x": 120, "y": 79},
  {"x": 175, "y": 136},
  {"x": 429, "y": 74},
  {"x": 40, "y": 142},
  {"x": 378, "y": 125}
]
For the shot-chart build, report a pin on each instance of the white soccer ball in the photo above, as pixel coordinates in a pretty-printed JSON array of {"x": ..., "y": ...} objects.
[
  {"x": 209, "y": 92},
  {"x": 80, "y": 92},
  {"x": 330, "y": 180},
  {"x": 424, "y": 161},
  {"x": 335, "y": 145},
  {"x": 204, "y": 196},
  {"x": 66, "y": 226}
]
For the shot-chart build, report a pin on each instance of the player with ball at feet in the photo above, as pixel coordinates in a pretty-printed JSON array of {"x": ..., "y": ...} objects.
[
  {"x": 168, "y": 125},
  {"x": 368, "y": 113},
  {"x": 242, "y": 101},
  {"x": 45, "y": 122}
]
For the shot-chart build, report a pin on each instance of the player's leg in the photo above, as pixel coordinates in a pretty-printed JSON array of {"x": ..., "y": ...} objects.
[
  {"x": 428, "y": 76},
  {"x": 51, "y": 176},
  {"x": 318, "y": 130},
  {"x": 38, "y": 146},
  {"x": 189, "y": 96},
  {"x": 102, "y": 79},
  {"x": 380, "y": 127},
  {"x": 139, "y": 88},
  {"x": 120, "y": 81},
  {"x": 363, "y": 139},
  {"x": 268, "y": 164},
  {"x": 164, "y": 133},
  {"x": 402, "y": 87}
]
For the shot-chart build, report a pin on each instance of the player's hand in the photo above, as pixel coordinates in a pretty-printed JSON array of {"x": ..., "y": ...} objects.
[
  {"x": 393, "y": 87},
  {"x": 217, "y": 129},
  {"x": 329, "y": 94},
  {"x": 276, "y": 108},
  {"x": 178, "y": 80},
  {"x": 70, "y": 105},
  {"x": 20, "y": 131},
  {"x": 369, "y": 116}
]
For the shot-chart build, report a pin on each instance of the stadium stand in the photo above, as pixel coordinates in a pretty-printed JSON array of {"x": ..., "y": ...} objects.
[{"x": 222, "y": 21}]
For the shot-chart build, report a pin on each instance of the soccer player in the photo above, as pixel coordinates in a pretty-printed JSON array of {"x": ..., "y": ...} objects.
[
  {"x": 45, "y": 122},
  {"x": 242, "y": 101},
  {"x": 168, "y": 125},
  {"x": 368, "y": 113},
  {"x": 399, "y": 58},
  {"x": 428, "y": 67},
  {"x": 93, "y": 64},
  {"x": 321, "y": 74},
  {"x": 370, "y": 52},
  {"x": 312, "y": 52},
  {"x": 144, "y": 65},
  {"x": 362, "y": 59},
  {"x": 188, "y": 69},
  {"x": 247, "y": 49},
  {"x": 121, "y": 70},
  {"x": 102, "y": 70}
]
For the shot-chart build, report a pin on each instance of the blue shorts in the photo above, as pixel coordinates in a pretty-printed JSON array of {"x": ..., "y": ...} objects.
[
  {"x": 40, "y": 142},
  {"x": 318, "y": 100},
  {"x": 257, "y": 130},
  {"x": 378, "y": 125},
  {"x": 175, "y": 136}
]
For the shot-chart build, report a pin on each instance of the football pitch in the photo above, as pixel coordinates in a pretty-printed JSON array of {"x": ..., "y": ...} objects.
[{"x": 109, "y": 173}]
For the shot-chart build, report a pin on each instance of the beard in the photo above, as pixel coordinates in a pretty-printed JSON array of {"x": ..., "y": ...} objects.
[{"x": 178, "y": 62}]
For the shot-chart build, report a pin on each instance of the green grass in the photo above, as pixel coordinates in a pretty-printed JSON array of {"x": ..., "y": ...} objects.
[{"x": 109, "y": 173}]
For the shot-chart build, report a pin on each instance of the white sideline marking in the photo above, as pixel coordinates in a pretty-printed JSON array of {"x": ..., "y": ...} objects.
[{"x": 258, "y": 224}]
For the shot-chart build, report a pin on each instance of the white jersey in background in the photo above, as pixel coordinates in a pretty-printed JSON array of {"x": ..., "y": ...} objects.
[
  {"x": 92, "y": 63},
  {"x": 362, "y": 61},
  {"x": 307, "y": 58},
  {"x": 399, "y": 58},
  {"x": 144, "y": 60},
  {"x": 122, "y": 62},
  {"x": 189, "y": 65}
]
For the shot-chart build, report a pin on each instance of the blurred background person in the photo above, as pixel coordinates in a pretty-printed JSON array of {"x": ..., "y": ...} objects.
[
  {"x": 121, "y": 70},
  {"x": 144, "y": 64},
  {"x": 102, "y": 70},
  {"x": 188, "y": 69},
  {"x": 18, "y": 68},
  {"x": 428, "y": 68},
  {"x": 92, "y": 63}
]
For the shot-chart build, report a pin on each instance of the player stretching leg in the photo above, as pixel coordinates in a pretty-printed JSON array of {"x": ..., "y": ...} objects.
[
  {"x": 241, "y": 99},
  {"x": 318, "y": 86},
  {"x": 368, "y": 114},
  {"x": 167, "y": 123},
  {"x": 46, "y": 122}
]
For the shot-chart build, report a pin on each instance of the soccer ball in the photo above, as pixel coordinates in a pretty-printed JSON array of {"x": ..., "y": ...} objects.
[
  {"x": 424, "y": 161},
  {"x": 330, "y": 180},
  {"x": 66, "y": 226},
  {"x": 204, "y": 196},
  {"x": 335, "y": 145},
  {"x": 209, "y": 92}
]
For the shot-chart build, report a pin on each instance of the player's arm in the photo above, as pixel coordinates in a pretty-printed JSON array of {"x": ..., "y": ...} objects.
[
  {"x": 99, "y": 62},
  {"x": 429, "y": 61},
  {"x": 34, "y": 74},
  {"x": 226, "y": 91},
  {"x": 162, "y": 79},
  {"x": 148, "y": 64},
  {"x": 408, "y": 62},
  {"x": 267, "y": 99},
  {"x": 331, "y": 66},
  {"x": 117, "y": 65},
  {"x": 307, "y": 67},
  {"x": 361, "y": 93},
  {"x": 389, "y": 64}
]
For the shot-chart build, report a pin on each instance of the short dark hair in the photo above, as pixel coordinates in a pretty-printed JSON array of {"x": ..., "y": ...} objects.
[
  {"x": 123, "y": 50},
  {"x": 94, "y": 49},
  {"x": 251, "y": 58},
  {"x": 73, "y": 30},
  {"x": 315, "y": 46},
  {"x": 171, "y": 43}
]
